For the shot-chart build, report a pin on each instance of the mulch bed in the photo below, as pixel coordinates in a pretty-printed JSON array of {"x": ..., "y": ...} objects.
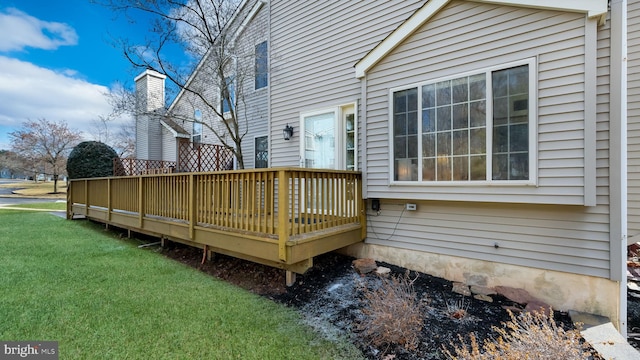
[{"x": 330, "y": 297}]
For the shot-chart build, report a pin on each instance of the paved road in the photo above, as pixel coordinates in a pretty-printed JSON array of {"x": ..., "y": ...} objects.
[{"x": 14, "y": 200}]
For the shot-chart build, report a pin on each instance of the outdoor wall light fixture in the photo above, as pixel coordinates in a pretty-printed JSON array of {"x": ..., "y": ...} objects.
[{"x": 287, "y": 133}]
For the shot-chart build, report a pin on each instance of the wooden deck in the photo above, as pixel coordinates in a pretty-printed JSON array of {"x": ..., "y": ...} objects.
[{"x": 280, "y": 217}]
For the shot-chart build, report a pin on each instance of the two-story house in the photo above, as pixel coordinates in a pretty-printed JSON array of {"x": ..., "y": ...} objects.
[{"x": 497, "y": 140}]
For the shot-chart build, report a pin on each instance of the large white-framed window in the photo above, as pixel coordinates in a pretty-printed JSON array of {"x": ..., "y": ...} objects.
[
  {"x": 329, "y": 138},
  {"x": 472, "y": 128}
]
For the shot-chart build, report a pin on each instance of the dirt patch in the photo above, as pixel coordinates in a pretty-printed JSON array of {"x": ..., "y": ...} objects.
[{"x": 330, "y": 297}]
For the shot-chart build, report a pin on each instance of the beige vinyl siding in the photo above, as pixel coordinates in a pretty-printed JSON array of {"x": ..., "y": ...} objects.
[
  {"x": 467, "y": 36},
  {"x": 633, "y": 117},
  {"x": 541, "y": 236},
  {"x": 255, "y": 105},
  {"x": 315, "y": 45},
  {"x": 555, "y": 236}
]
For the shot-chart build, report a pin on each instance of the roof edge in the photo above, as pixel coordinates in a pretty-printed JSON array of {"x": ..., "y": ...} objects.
[{"x": 593, "y": 8}]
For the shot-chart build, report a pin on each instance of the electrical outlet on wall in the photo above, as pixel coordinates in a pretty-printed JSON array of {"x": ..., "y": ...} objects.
[{"x": 412, "y": 207}]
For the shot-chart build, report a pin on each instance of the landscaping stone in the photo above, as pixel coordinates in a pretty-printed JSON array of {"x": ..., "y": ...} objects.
[
  {"x": 364, "y": 266},
  {"x": 460, "y": 288},
  {"x": 482, "y": 290},
  {"x": 520, "y": 296},
  {"x": 538, "y": 306},
  {"x": 483, "y": 297}
]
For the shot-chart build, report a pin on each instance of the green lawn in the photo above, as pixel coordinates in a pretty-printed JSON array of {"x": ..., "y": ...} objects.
[
  {"x": 47, "y": 206},
  {"x": 103, "y": 298}
]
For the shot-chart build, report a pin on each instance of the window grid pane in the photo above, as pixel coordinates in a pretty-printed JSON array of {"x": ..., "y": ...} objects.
[
  {"x": 510, "y": 124},
  {"x": 405, "y": 135},
  {"x": 453, "y": 112}
]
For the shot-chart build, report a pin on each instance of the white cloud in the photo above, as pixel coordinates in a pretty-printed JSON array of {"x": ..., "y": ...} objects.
[
  {"x": 31, "y": 92},
  {"x": 20, "y": 30}
]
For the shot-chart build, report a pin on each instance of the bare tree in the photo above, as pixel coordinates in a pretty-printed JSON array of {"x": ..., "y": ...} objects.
[
  {"x": 201, "y": 29},
  {"x": 46, "y": 143},
  {"x": 117, "y": 132},
  {"x": 11, "y": 162}
]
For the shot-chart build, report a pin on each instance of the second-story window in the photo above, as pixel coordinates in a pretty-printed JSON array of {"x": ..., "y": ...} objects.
[
  {"x": 196, "y": 133},
  {"x": 261, "y": 72},
  {"x": 228, "y": 95}
]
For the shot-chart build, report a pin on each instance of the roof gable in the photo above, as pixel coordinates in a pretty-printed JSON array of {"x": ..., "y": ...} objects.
[
  {"x": 252, "y": 13},
  {"x": 592, "y": 8}
]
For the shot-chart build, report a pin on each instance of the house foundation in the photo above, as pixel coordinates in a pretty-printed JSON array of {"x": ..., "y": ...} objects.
[{"x": 563, "y": 291}]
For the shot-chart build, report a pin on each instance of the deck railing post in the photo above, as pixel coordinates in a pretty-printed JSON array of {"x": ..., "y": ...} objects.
[
  {"x": 86, "y": 197},
  {"x": 283, "y": 214},
  {"x": 109, "y": 204},
  {"x": 69, "y": 199},
  {"x": 140, "y": 201},
  {"x": 192, "y": 206}
]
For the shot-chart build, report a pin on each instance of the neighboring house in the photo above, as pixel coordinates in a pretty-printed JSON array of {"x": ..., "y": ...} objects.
[{"x": 491, "y": 135}]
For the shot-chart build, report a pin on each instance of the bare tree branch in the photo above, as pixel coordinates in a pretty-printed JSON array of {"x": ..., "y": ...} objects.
[
  {"x": 47, "y": 143},
  {"x": 201, "y": 29}
]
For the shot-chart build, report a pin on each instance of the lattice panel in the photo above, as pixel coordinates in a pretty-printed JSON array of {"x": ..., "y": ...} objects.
[
  {"x": 193, "y": 157},
  {"x": 131, "y": 166}
]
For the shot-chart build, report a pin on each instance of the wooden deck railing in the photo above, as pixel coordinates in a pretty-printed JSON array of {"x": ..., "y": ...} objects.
[{"x": 277, "y": 203}]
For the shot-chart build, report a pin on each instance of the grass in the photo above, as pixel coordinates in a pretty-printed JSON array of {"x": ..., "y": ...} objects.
[
  {"x": 102, "y": 297},
  {"x": 46, "y": 206},
  {"x": 38, "y": 189}
]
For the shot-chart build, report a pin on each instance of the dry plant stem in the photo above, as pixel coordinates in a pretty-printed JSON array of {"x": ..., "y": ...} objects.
[
  {"x": 526, "y": 334},
  {"x": 393, "y": 313}
]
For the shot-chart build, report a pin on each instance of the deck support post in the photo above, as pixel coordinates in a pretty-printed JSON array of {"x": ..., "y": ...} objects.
[
  {"x": 290, "y": 278},
  {"x": 162, "y": 242},
  {"x": 128, "y": 233}
]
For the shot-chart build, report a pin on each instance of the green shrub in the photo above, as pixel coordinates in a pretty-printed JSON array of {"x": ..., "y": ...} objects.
[
  {"x": 393, "y": 313},
  {"x": 91, "y": 159},
  {"x": 526, "y": 335}
]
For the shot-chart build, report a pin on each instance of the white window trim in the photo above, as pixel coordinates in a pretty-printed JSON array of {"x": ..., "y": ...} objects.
[
  {"x": 267, "y": 69},
  {"x": 340, "y": 137},
  {"x": 233, "y": 96},
  {"x": 533, "y": 130},
  {"x": 197, "y": 119}
]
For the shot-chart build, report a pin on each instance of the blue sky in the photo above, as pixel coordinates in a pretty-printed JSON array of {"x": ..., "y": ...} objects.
[{"x": 57, "y": 60}]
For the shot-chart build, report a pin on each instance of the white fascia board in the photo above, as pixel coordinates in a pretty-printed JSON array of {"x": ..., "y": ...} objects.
[
  {"x": 398, "y": 36},
  {"x": 254, "y": 11},
  {"x": 205, "y": 57},
  {"x": 593, "y": 8}
]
